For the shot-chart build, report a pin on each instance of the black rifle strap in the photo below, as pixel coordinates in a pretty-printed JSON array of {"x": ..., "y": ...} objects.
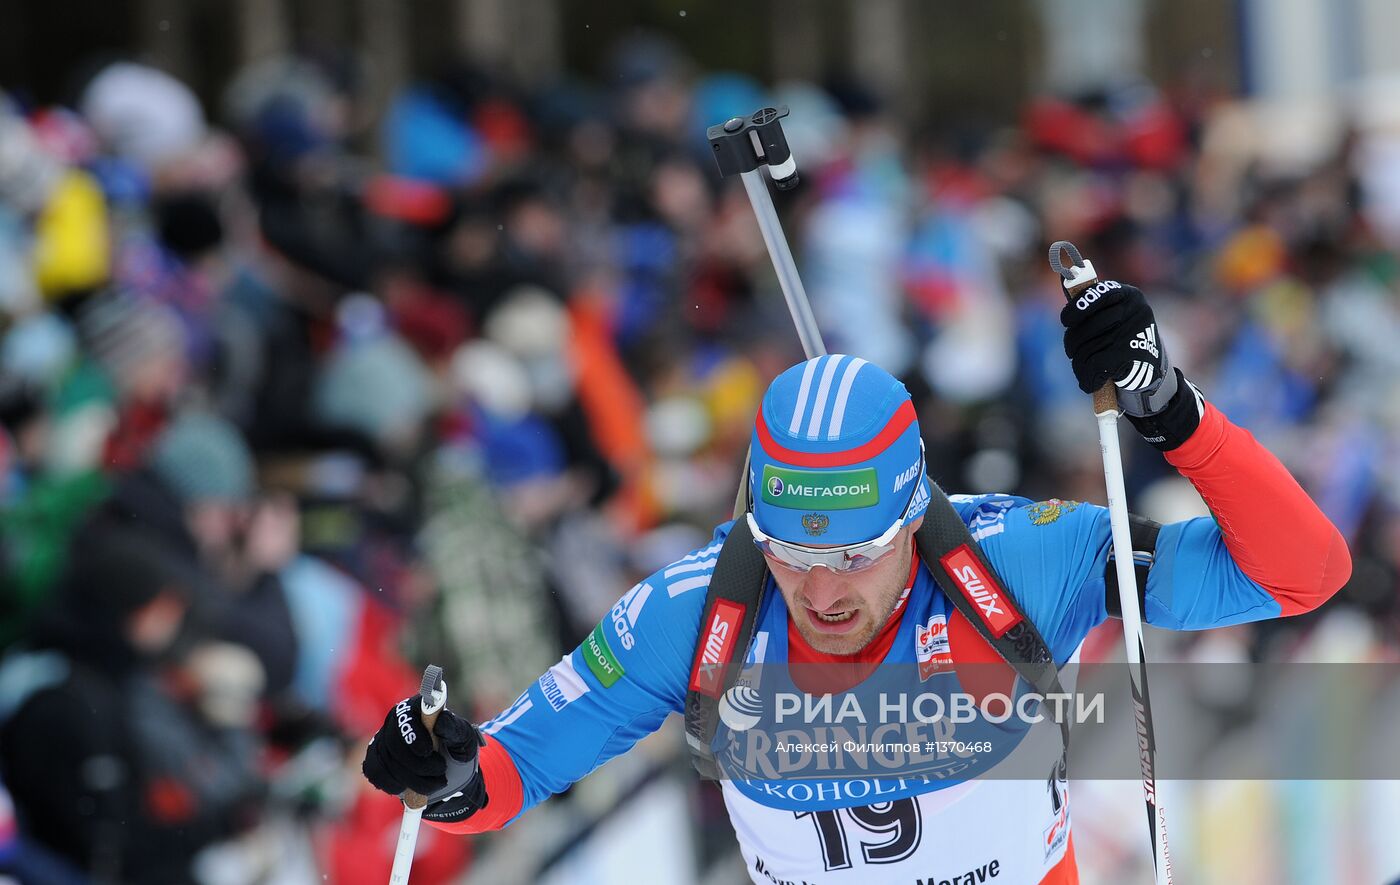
[
  {"x": 948, "y": 551},
  {"x": 952, "y": 555},
  {"x": 726, "y": 629}
]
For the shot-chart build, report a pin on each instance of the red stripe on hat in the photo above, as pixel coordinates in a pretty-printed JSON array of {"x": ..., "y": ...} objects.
[{"x": 898, "y": 423}]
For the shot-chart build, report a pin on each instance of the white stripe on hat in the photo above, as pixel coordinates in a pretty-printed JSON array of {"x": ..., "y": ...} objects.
[
  {"x": 838, "y": 411},
  {"x": 823, "y": 390},
  {"x": 802, "y": 389}
]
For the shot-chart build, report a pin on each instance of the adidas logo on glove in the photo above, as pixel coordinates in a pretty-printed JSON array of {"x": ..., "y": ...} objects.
[
  {"x": 1146, "y": 340},
  {"x": 1092, "y": 293}
]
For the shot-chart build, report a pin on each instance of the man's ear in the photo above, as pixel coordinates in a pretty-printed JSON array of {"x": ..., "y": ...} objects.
[{"x": 914, "y": 526}]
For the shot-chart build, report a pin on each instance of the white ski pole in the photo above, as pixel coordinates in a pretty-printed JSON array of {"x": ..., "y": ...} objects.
[
  {"x": 1079, "y": 275},
  {"x": 433, "y": 691}
]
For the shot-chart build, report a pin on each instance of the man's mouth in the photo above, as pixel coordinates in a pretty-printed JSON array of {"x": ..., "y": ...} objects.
[{"x": 836, "y": 621}]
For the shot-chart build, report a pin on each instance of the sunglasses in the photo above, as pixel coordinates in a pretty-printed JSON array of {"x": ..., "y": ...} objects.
[{"x": 844, "y": 559}]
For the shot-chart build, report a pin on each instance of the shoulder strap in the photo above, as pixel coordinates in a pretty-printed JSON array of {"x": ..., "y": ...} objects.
[
  {"x": 731, "y": 607},
  {"x": 952, "y": 555},
  {"x": 948, "y": 551}
]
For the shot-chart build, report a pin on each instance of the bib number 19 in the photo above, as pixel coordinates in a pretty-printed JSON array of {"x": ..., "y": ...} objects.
[{"x": 898, "y": 821}]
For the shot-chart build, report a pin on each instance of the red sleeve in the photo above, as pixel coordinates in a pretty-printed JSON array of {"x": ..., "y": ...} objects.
[
  {"x": 503, "y": 791},
  {"x": 1273, "y": 530}
]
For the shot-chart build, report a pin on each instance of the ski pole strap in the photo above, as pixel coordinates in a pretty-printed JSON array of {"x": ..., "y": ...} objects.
[
  {"x": 952, "y": 555},
  {"x": 732, "y": 603}
]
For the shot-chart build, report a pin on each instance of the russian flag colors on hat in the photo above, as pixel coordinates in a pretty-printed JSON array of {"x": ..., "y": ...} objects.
[{"x": 835, "y": 454}]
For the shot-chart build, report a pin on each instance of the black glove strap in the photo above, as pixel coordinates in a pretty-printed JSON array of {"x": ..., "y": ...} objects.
[
  {"x": 459, "y": 775},
  {"x": 1173, "y": 425},
  {"x": 461, "y": 804}
]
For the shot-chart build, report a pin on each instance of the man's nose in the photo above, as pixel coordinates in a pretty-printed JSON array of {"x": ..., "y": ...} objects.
[{"x": 823, "y": 588}]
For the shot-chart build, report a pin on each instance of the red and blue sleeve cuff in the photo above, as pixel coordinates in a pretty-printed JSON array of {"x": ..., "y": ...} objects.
[{"x": 504, "y": 790}]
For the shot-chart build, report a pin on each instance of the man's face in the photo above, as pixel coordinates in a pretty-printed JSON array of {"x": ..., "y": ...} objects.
[
  {"x": 152, "y": 628},
  {"x": 839, "y": 614},
  {"x": 214, "y": 524}
]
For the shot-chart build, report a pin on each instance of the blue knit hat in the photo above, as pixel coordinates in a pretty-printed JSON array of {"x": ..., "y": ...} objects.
[
  {"x": 202, "y": 458},
  {"x": 836, "y": 457}
]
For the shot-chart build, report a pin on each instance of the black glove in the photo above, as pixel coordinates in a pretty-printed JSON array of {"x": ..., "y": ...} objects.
[
  {"x": 1110, "y": 334},
  {"x": 401, "y": 757}
]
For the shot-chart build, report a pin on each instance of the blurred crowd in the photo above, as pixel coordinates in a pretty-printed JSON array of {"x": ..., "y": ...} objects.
[{"x": 297, "y": 395}]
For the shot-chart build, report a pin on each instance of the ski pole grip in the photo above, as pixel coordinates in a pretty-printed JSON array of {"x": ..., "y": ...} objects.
[
  {"x": 433, "y": 691},
  {"x": 1105, "y": 399},
  {"x": 742, "y": 144},
  {"x": 1079, "y": 275}
]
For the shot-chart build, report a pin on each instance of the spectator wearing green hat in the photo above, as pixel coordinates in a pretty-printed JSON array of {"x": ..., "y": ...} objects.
[{"x": 197, "y": 494}]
